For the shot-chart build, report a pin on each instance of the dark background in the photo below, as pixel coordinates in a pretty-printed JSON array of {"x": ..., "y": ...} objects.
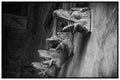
[{"x": 20, "y": 43}]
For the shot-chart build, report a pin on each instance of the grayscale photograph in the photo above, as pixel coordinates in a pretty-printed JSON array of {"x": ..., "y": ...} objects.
[{"x": 64, "y": 39}]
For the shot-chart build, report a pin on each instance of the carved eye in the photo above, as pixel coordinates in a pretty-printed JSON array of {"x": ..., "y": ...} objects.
[
  {"x": 76, "y": 15},
  {"x": 58, "y": 51},
  {"x": 54, "y": 61}
]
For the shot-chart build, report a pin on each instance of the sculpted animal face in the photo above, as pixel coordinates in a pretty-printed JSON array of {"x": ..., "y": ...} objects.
[
  {"x": 74, "y": 17},
  {"x": 61, "y": 45}
]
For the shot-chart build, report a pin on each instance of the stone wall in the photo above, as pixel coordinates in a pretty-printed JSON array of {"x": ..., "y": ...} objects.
[
  {"x": 101, "y": 51},
  {"x": 98, "y": 51},
  {"x": 96, "y": 55}
]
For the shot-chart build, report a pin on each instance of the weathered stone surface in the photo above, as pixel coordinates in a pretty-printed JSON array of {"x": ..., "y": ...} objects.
[
  {"x": 67, "y": 40},
  {"x": 98, "y": 53},
  {"x": 95, "y": 55},
  {"x": 70, "y": 17},
  {"x": 63, "y": 42}
]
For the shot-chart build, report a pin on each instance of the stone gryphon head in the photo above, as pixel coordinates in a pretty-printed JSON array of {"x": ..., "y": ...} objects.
[
  {"x": 75, "y": 19},
  {"x": 61, "y": 44}
]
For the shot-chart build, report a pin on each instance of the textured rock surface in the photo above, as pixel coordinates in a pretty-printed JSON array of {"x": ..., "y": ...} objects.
[
  {"x": 96, "y": 58},
  {"x": 99, "y": 52}
]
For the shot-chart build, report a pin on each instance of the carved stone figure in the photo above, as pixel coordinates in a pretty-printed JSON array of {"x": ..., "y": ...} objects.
[
  {"x": 61, "y": 43},
  {"x": 74, "y": 17}
]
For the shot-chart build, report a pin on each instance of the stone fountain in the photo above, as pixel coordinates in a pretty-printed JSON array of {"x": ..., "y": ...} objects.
[{"x": 62, "y": 44}]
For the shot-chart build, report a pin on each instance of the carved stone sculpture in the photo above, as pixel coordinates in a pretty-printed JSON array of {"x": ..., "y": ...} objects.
[
  {"x": 61, "y": 43},
  {"x": 74, "y": 18}
]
